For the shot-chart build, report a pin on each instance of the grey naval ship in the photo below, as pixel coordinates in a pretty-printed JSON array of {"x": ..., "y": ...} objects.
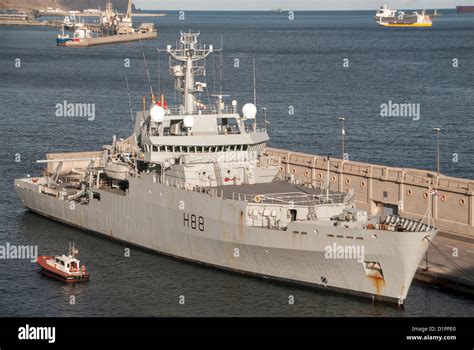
[{"x": 193, "y": 181}]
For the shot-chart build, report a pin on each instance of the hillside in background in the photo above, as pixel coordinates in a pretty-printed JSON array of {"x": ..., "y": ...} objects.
[{"x": 120, "y": 5}]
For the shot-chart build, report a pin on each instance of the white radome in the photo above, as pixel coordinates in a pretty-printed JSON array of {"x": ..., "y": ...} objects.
[
  {"x": 188, "y": 121},
  {"x": 157, "y": 114},
  {"x": 249, "y": 111}
]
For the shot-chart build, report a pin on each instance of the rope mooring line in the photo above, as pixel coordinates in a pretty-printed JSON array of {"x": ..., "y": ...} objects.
[{"x": 449, "y": 259}]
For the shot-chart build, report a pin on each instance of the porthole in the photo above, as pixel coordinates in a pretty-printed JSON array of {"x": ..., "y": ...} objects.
[
  {"x": 408, "y": 192},
  {"x": 333, "y": 179},
  {"x": 425, "y": 195},
  {"x": 462, "y": 202},
  {"x": 348, "y": 181},
  {"x": 306, "y": 173},
  {"x": 362, "y": 184},
  {"x": 293, "y": 171}
]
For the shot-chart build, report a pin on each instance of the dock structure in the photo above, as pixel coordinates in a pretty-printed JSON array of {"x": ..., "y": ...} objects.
[
  {"x": 53, "y": 24},
  {"x": 113, "y": 39},
  {"x": 78, "y": 15},
  {"x": 449, "y": 264},
  {"x": 382, "y": 189}
]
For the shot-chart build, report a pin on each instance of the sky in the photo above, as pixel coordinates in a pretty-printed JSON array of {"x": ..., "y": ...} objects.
[{"x": 295, "y": 4}]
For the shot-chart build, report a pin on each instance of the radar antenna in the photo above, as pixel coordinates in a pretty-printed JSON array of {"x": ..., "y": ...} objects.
[{"x": 185, "y": 65}]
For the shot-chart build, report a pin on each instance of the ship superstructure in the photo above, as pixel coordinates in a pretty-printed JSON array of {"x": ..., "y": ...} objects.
[{"x": 193, "y": 181}]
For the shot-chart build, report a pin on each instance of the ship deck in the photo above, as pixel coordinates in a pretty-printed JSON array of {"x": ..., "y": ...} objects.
[{"x": 275, "y": 192}]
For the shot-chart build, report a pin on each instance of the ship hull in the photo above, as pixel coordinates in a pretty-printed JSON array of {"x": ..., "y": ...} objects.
[
  {"x": 405, "y": 24},
  {"x": 465, "y": 9},
  {"x": 153, "y": 216}
]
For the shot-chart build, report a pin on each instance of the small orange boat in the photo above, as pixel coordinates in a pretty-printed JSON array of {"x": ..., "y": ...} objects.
[{"x": 65, "y": 268}]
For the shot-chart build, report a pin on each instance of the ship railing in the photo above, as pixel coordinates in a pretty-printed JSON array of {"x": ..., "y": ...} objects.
[
  {"x": 405, "y": 224},
  {"x": 287, "y": 198},
  {"x": 298, "y": 198}
]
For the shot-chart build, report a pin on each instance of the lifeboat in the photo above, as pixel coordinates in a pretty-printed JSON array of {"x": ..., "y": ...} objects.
[
  {"x": 65, "y": 268},
  {"x": 117, "y": 170}
]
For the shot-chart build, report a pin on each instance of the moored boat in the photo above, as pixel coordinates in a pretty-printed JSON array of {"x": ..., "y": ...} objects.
[{"x": 80, "y": 34}]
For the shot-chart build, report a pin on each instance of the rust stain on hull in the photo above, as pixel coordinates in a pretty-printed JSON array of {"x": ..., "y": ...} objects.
[{"x": 378, "y": 283}]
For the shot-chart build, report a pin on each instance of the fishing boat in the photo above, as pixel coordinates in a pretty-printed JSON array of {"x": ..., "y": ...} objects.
[
  {"x": 80, "y": 34},
  {"x": 65, "y": 268}
]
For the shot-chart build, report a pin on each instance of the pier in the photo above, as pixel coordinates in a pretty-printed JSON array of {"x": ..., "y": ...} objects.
[
  {"x": 113, "y": 39},
  {"x": 79, "y": 15}
]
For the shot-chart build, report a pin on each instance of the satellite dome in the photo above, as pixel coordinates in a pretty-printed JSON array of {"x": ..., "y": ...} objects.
[
  {"x": 249, "y": 111},
  {"x": 188, "y": 121},
  {"x": 157, "y": 114}
]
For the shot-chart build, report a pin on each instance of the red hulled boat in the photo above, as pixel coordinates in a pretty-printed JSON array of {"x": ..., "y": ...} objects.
[{"x": 65, "y": 268}]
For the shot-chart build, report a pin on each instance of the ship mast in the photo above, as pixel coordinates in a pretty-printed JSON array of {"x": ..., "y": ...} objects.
[
  {"x": 129, "y": 10},
  {"x": 188, "y": 52}
]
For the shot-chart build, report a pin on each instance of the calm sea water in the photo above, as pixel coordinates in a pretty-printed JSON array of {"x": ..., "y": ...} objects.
[{"x": 299, "y": 64}]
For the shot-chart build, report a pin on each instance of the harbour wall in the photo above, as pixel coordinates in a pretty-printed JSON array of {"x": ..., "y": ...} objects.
[{"x": 380, "y": 188}]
